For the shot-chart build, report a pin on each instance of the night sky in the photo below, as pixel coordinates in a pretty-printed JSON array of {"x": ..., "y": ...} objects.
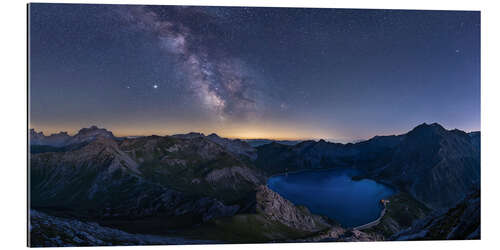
[{"x": 284, "y": 73}]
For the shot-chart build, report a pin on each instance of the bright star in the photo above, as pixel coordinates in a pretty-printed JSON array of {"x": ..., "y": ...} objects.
[
  {"x": 155, "y": 86},
  {"x": 283, "y": 106}
]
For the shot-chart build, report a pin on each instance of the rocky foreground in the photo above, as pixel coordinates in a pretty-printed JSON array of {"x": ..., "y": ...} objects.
[
  {"x": 46, "y": 230},
  {"x": 458, "y": 223}
]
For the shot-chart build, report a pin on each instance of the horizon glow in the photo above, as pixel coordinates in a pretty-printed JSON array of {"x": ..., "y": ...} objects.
[{"x": 252, "y": 73}]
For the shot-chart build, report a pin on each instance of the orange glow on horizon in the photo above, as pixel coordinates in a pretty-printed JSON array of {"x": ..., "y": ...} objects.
[{"x": 233, "y": 131}]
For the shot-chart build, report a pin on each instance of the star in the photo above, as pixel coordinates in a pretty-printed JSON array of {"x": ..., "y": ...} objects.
[
  {"x": 155, "y": 86},
  {"x": 283, "y": 106},
  {"x": 457, "y": 51}
]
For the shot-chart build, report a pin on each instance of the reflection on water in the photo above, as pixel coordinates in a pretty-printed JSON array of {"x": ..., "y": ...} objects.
[{"x": 332, "y": 193}]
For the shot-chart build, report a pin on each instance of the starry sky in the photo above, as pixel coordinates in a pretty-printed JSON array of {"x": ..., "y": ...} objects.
[{"x": 279, "y": 73}]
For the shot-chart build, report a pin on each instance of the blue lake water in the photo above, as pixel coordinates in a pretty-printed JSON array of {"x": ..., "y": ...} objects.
[{"x": 334, "y": 194}]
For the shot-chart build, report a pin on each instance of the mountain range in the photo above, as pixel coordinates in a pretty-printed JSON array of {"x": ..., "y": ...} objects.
[
  {"x": 189, "y": 185},
  {"x": 435, "y": 165}
]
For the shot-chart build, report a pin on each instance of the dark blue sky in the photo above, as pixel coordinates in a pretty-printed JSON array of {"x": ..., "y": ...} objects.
[{"x": 338, "y": 74}]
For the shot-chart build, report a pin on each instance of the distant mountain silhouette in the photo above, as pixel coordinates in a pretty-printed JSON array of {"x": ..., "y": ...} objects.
[
  {"x": 63, "y": 139},
  {"x": 435, "y": 165},
  {"x": 260, "y": 142}
]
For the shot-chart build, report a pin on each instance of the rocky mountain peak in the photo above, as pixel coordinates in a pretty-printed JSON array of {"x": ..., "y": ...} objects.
[
  {"x": 35, "y": 137},
  {"x": 235, "y": 146},
  {"x": 94, "y": 131},
  {"x": 424, "y": 128},
  {"x": 90, "y": 134},
  {"x": 62, "y": 138},
  {"x": 213, "y": 135},
  {"x": 56, "y": 140},
  {"x": 425, "y": 134},
  {"x": 34, "y": 133},
  {"x": 433, "y": 163},
  {"x": 190, "y": 135}
]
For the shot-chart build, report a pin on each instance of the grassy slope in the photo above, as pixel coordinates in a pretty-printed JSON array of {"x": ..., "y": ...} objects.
[
  {"x": 401, "y": 212},
  {"x": 181, "y": 177},
  {"x": 189, "y": 176},
  {"x": 246, "y": 228}
]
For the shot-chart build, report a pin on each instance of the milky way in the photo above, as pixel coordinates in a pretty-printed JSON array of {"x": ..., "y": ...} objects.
[
  {"x": 215, "y": 77},
  {"x": 288, "y": 73}
]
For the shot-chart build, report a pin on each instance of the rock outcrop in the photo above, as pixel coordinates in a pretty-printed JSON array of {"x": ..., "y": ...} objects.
[
  {"x": 458, "y": 223},
  {"x": 232, "y": 173},
  {"x": 276, "y": 208},
  {"x": 50, "y": 231}
]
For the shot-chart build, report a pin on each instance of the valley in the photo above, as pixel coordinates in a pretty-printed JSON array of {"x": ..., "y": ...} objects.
[{"x": 195, "y": 188}]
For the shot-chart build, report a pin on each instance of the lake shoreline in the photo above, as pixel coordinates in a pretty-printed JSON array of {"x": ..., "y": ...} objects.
[{"x": 320, "y": 193}]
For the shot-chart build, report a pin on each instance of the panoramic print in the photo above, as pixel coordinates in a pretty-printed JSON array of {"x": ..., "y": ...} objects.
[{"x": 159, "y": 125}]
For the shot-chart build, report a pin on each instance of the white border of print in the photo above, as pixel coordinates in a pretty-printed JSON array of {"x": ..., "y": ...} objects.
[{"x": 14, "y": 120}]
